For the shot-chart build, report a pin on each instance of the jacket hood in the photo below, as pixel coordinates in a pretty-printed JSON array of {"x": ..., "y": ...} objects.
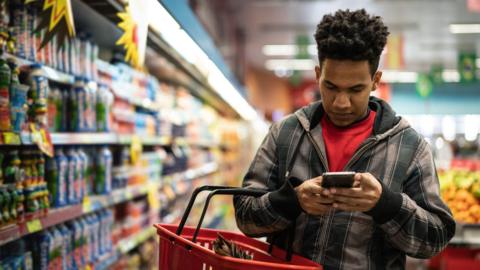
[{"x": 386, "y": 121}]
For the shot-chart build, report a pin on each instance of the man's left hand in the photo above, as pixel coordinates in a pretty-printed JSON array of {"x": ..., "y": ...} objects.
[{"x": 362, "y": 197}]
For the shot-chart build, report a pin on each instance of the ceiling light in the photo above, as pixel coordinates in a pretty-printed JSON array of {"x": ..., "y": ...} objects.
[
  {"x": 290, "y": 64},
  {"x": 395, "y": 76},
  {"x": 277, "y": 50},
  {"x": 162, "y": 22},
  {"x": 286, "y": 50},
  {"x": 464, "y": 28}
]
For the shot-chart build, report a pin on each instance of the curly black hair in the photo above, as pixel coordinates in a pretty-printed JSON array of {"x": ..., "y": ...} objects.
[{"x": 351, "y": 35}]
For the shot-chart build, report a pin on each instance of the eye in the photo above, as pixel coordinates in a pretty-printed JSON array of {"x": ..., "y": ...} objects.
[{"x": 357, "y": 89}]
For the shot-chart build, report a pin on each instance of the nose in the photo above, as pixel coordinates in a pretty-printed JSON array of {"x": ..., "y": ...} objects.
[{"x": 341, "y": 102}]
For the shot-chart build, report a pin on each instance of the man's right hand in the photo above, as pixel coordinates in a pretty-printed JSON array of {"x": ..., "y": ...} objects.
[{"x": 311, "y": 198}]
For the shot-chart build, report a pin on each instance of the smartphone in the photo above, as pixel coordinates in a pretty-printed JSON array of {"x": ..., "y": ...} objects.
[{"x": 338, "y": 179}]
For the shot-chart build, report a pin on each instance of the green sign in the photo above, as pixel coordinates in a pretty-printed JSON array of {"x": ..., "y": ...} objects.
[
  {"x": 424, "y": 85},
  {"x": 436, "y": 74},
  {"x": 302, "y": 43},
  {"x": 467, "y": 67}
]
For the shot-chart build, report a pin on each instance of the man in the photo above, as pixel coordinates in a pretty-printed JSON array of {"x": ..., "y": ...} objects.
[{"x": 393, "y": 209}]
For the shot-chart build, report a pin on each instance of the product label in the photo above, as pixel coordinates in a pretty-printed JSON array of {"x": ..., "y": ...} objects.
[{"x": 34, "y": 226}]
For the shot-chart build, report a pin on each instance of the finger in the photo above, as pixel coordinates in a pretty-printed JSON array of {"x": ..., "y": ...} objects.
[
  {"x": 324, "y": 200},
  {"x": 348, "y": 192},
  {"x": 367, "y": 180}
]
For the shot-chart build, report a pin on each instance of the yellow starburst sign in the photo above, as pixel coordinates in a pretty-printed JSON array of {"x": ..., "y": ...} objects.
[
  {"x": 135, "y": 31},
  {"x": 57, "y": 18},
  {"x": 129, "y": 39},
  {"x": 60, "y": 9}
]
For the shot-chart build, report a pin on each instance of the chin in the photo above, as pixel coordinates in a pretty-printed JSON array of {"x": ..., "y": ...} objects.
[{"x": 340, "y": 123}]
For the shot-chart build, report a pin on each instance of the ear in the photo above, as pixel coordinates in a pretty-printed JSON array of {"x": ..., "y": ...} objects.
[
  {"x": 318, "y": 72},
  {"x": 376, "y": 80}
]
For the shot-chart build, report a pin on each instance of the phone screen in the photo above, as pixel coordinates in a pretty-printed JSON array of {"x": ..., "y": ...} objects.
[{"x": 338, "y": 179}]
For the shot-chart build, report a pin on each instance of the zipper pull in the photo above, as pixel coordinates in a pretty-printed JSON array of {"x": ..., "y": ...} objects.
[{"x": 287, "y": 174}]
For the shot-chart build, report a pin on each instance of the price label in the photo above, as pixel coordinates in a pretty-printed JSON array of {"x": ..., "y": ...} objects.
[
  {"x": 136, "y": 149},
  {"x": 152, "y": 196},
  {"x": 11, "y": 138},
  {"x": 87, "y": 204},
  {"x": 34, "y": 226}
]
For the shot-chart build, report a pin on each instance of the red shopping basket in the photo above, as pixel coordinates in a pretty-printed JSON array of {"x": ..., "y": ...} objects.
[{"x": 191, "y": 248}]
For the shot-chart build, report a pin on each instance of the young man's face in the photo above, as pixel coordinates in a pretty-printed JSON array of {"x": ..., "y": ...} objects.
[{"x": 345, "y": 88}]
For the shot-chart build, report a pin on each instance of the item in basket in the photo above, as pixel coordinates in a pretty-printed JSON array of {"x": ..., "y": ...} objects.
[{"x": 223, "y": 247}]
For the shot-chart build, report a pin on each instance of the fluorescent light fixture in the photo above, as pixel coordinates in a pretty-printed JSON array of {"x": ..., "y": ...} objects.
[
  {"x": 448, "y": 128},
  {"x": 162, "y": 22},
  {"x": 286, "y": 50},
  {"x": 471, "y": 125},
  {"x": 477, "y": 63},
  {"x": 278, "y": 50},
  {"x": 290, "y": 64},
  {"x": 450, "y": 75},
  {"x": 464, "y": 28},
  {"x": 395, "y": 76}
]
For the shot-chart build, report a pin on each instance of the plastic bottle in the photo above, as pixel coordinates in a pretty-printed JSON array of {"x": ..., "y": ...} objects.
[
  {"x": 19, "y": 16},
  {"x": 103, "y": 180},
  {"x": 84, "y": 171},
  {"x": 57, "y": 178},
  {"x": 67, "y": 246},
  {"x": 55, "y": 110},
  {"x": 72, "y": 177},
  {"x": 104, "y": 108},
  {"x": 80, "y": 176},
  {"x": 5, "y": 77},
  {"x": 39, "y": 93},
  {"x": 79, "y": 105}
]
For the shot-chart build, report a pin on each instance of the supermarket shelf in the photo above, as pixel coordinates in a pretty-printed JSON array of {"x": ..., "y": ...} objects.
[
  {"x": 126, "y": 245},
  {"x": 49, "y": 72},
  {"x": 98, "y": 202},
  {"x": 94, "y": 203},
  {"x": 54, "y": 217},
  {"x": 192, "y": 174},
  {"x": 92, "y": 138}
]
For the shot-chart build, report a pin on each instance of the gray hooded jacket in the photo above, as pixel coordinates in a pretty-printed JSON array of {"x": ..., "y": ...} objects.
[{"x": 409, "y": 218}]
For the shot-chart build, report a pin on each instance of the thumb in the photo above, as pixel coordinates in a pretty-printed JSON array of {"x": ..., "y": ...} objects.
[{"x": 366, "y": 180}]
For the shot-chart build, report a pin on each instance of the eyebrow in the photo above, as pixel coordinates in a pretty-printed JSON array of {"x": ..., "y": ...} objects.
[{"x": 351, "y": 87}]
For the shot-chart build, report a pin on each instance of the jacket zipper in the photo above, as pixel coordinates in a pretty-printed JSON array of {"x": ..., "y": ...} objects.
[
  {"x": 356, "y": 156},
  {"x": 319, "y": 152}
]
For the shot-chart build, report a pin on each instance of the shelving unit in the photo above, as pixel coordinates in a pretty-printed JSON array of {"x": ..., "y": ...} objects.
[
  {"x": 95, "y": 203},
  {"x": 143, "y": 181}
]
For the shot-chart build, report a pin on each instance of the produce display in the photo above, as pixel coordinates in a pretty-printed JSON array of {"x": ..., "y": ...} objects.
[{"x": 460, "y": 189}]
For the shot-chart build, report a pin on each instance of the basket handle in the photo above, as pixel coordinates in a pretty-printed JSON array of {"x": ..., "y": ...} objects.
[
  {"x": 226, "y": 191},
  {"x": 193, "y": 197}
]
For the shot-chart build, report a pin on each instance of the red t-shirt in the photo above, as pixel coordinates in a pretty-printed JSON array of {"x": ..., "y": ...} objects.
[{"x": 341, "y": 143}]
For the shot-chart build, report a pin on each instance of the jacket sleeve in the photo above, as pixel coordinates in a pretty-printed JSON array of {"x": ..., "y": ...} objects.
[
  {"x": 419, "y": 223},
  {"x": 275, "y": 210}
]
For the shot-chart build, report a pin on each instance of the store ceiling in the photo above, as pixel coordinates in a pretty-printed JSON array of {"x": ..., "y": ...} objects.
[{"x": 424, "y": 25}]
